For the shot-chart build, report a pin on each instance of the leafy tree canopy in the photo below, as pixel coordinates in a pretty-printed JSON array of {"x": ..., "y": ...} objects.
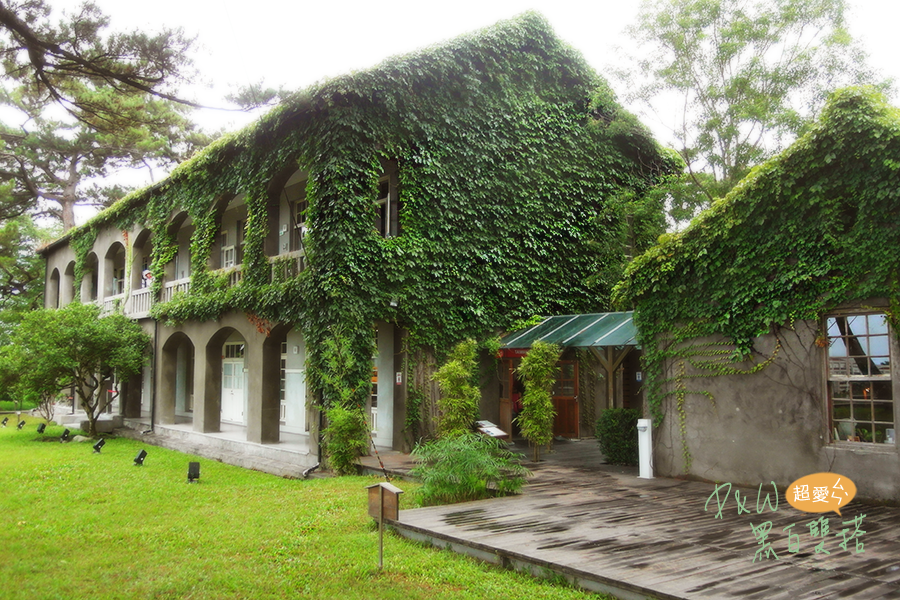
[
  {"x": 74, "y": 346},
  {"x": 47, "y": 57},
  {"x": 82, "y": 103},
  {"x": 748, "y": 76}
]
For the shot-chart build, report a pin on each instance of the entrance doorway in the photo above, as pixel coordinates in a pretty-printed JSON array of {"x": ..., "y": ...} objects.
[
  {"x": 233, "y": 383},
  {"x": 565, "y": 400}
]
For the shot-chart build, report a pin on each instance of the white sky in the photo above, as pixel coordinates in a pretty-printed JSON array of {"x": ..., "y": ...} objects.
[{"x": 296, "y": 43}]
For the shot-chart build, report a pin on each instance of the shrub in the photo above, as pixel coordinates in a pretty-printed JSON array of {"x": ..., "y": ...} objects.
[
  {"x": 466, "y": 467},
  {"x": 617, "y": 434},
  {"x": 346, "y": 438},
  {"x": 538, "y": 371},
  {"x": 459, "y": 396}
]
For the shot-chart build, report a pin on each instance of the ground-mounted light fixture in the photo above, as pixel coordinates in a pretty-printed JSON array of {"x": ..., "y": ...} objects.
[
  {"x": 5, "y": 421},
  {"x": 100, "y": 443},
  {"x": 65, "y": 436},
  {"x": 139, "y": 459},
  {"x": 42, "y": 427},
  {"x": 20, "y": 425},
  {"x": 193, "y": 472}
]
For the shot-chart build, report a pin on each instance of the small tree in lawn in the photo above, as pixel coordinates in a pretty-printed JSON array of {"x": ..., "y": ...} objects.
[
  {"x": 459, "y": 396},
  {"x": 74, "y": 346},
  {"x": 538, "y": 371}
]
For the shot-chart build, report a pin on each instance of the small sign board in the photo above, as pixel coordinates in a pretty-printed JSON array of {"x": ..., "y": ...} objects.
[
  {"x": 384, "y": 496},
  {"x": 489, "y": 429}
]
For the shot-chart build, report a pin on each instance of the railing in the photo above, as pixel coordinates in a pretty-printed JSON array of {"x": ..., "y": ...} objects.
[
  {"x": 111, "y": 303},
  {"x": 283, "y": 266},
  {"x": 287, "y": 265},
  {"x": 141, "y": 301},
  {"x": 173, "y": 287}
]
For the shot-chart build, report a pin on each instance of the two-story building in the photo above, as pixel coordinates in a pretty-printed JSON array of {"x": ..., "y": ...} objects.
[{"x": 332, "y": 251}]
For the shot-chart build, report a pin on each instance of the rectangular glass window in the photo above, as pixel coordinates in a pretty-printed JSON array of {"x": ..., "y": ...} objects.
[{"x": 860, "y": 390}]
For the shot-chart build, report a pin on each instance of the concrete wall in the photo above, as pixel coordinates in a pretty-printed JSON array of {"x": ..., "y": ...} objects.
[{"x": 768, "y": 426}]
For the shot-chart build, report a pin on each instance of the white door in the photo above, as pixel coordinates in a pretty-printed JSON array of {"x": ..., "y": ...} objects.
[{"x": 233, "y": 391}]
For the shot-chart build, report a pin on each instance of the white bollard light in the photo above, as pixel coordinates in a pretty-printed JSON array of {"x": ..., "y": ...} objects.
[{"x": 645, "y": 449}]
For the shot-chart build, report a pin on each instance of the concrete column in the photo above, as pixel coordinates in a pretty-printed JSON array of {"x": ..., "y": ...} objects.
[
  {"x": 130, "y": 404},
  {"x": 208, "y": 389},
  {"x": 262, "y": 361},
  {"x": 165, "y": 385}
]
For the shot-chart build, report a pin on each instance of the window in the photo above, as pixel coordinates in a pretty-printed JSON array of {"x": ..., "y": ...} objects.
[
  {"x": 282, "y": 414},
  {"x": 373, "y": 401},
  {"x": 387, "y": 206},
  {"x": 860, "y": 390},
  {"x": 234, "y": 350},
  {"x": 118, "y": 281}
]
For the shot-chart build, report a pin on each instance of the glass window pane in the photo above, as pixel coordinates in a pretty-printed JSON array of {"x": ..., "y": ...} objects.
[
  {"x": 884, "y": 412},
  {"x": 859, "y": 346},
  {"x": 862, "y": 411},
  {"x": 859, "y": 390},
  {"x": 878, "y": 324},
  {"x": 841, "y": 410},
  {"x": 879, "y": 345},
  {"x": 856, "y": 324},
  {"x": 837, "y": 347},
  {"x": 840, "y": 390}
]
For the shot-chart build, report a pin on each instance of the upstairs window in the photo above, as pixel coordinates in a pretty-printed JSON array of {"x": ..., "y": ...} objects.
[
  {"x": 387, "y": 204},
  {"x": 860, "y": 386}
]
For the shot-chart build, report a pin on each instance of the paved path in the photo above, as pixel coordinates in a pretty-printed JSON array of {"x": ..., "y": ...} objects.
[{"x": 607, "y": 530}]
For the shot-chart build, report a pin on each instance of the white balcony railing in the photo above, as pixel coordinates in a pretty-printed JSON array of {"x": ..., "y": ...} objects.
[
  {"x": 111, "y": 303},
  {"x": 173, "y": 287},
  {"x": 287, "y": 265},
  {"x": 283, "y": 266},
  {"x": 141, "y": 301}
]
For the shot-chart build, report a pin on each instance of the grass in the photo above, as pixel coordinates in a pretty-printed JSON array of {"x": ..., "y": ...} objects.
[
  {"x": 81, "y": 525},
  {"x": 12, "y": 406}
]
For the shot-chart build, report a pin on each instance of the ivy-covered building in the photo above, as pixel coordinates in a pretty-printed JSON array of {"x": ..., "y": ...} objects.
[
  {"x": 770, "y": 326},
  {"x": 330, "y": 253}
]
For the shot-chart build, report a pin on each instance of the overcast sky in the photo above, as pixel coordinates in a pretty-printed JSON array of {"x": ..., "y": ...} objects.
[{"x": 295, "y": 44}]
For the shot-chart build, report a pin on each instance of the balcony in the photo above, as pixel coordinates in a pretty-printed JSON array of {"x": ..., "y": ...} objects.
[
  {"x": 283, "y": 266},
  {"x": 173, "y": 287}
]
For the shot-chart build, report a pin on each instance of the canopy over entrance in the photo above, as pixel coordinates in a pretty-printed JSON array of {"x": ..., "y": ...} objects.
[
  {"x": 577, "y": 331},
  {"x": 609, "y": 337}
]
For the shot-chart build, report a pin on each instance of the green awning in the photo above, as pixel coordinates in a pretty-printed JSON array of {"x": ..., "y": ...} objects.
[{"x": 578, "y": 331}]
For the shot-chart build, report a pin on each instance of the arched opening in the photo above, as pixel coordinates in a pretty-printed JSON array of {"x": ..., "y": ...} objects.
[
  {"x": 52, "y": 293},
  {"x": 67, "y": 285},
  {"x": 176, "y": 391},
  {"x": 115, "y": 283},
  {"x": 287, "y": 234},
  {"x": 140, "y": 276},
  {"x": 90, "y": 284},
  {"x": 233, "y": 407},
  {"x": 178, "y": 270}
]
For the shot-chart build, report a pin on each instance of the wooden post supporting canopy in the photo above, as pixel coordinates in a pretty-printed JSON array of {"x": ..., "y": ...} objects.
[{"x": 610, "y": 359}]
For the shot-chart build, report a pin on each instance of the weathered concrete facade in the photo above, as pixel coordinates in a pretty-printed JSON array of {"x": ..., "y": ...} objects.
[{"x": 773, "y": 425}]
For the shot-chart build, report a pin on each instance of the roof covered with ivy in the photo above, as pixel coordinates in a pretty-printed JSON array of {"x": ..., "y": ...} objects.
[
  {"x": 811, "y": 229},
  {"x": 517, "y": 53}
]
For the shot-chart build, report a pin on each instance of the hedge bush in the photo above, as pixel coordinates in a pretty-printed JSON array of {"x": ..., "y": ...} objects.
[{"x": 617, "y": 434}]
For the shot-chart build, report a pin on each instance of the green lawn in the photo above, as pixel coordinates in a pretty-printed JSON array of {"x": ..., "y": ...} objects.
[{"x": 81, "y": 525}]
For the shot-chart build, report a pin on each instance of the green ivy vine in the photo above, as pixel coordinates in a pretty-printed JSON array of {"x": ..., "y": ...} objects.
[
  {"x": 811, "y": 229},
  {"x": 517, "y": 168}
]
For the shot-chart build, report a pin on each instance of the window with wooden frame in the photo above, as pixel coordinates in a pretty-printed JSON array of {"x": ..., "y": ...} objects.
[
  {"x": 860, "y": 386},
  {"x": 388, "y": 205}
]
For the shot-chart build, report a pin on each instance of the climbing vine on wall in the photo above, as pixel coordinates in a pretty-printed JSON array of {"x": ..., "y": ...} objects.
[
  {"x": 813, "y": 228},
  {"x": 516, "y": 167}
]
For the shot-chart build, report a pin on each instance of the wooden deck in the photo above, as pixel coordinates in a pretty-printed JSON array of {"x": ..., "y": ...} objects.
[{"x": 606, "y": 530}]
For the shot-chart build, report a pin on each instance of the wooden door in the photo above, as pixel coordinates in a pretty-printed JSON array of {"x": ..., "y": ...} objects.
[
  {"x": 565, "y": 400},
  {"x": 506, "y": 388}
]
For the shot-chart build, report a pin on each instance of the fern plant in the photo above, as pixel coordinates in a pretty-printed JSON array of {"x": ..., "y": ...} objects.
[{"x": 469, "y": 466}]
